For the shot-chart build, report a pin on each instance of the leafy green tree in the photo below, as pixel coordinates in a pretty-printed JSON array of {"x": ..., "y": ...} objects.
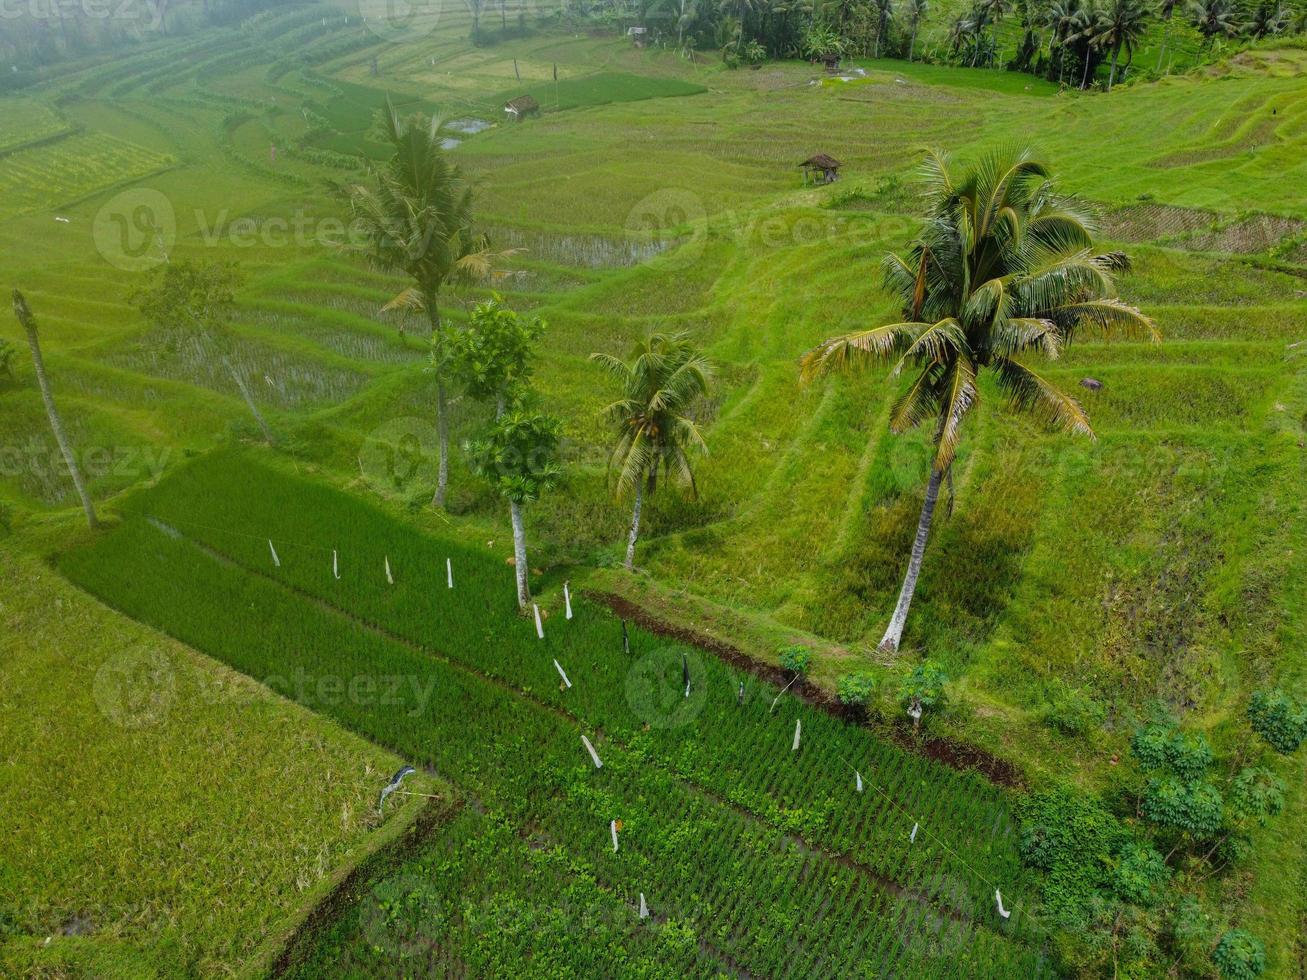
[
  {"x": 197, "y": 295},
  {"x": 23, "y": 313},
  {"x": 795, "y": 659},
  {"x": 662, "y": 383},
  {"x": 1140, "y": 875},
  {"x": 519, "y": 456},
  {"x": 492, "y": 357},
  {"x": 1121, "y": 24},
  {"x": 1279, "y": 718},
  {"x": 922, "y": 688},
  {"x": 1240, "y": 956},
  {"x": 1005, "y": 269},
  {"x": 416, "y": 219}
]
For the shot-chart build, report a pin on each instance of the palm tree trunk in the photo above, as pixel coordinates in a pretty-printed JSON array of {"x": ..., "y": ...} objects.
[
  {"x": 912, "y": 46},
  {"x": 28, "y": 323},
  {"x": 442, "y": 417},
  {"x": 519, "y": 555},
  {"x": 635, "y": 525},
  {"x": 249, "y": 400},
  {"x": 890, "y": 641},
  {"x": 1111, "y": 77},
  {"x": 1084, "y": 77}
]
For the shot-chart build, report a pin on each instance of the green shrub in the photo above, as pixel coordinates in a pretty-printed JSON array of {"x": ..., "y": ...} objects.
[
  {"x": 925, "y": 684},
  {"x": 1073, "y": 712},
  {"x": 795, "y": 659},
  {"x": 1141, "y": 874},
  {"x": 1279, "y": 718},
  {"x": 1073, "y": 838},
  {"x": 1191, "y": 806},
  {"x": 855, "y": 690},
  {"x": 1240, "y": 955},
  {"x": 1167, "y": 748}
]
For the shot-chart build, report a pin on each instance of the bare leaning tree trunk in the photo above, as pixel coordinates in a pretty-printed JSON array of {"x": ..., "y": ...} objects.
[
  {"x": 249, "y": 400},
  {"x": 890, "y": 641},
  {"x": 28, "y": 322},
  {"x": 442, "y": 419},
  {"x": 635, "y": 525},
  {"x": 519, "y": 555}
]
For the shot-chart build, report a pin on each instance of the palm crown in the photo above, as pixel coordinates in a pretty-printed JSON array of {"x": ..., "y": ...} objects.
[
  {"x": 665, "y": 377},
  {"x": 1004, "y": 269}
]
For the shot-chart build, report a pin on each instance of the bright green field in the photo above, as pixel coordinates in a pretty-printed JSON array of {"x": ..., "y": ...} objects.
[{"x": 1162, "y": 563}]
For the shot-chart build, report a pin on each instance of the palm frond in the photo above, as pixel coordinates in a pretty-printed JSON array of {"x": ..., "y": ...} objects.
[
  {"x": 859, "y": 348},
  {"x": 1035, "y": 395},
  {"x": 957, "y": 397}
]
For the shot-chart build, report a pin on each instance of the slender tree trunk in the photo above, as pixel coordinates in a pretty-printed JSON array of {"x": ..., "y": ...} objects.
[
  {"x": 1166, "y": 37},
  {"x": 1084, "y": 77},
  {"x": 442, "y": 415},
  {"x": 912, "y": 46},
  {"x": 1111, "y": 77},
  {"x": 519, "y": 555},
  {"x": 28, "y": 322},
  {"x": 890, "y": 641},
  {"x": 635, "y": 525}
]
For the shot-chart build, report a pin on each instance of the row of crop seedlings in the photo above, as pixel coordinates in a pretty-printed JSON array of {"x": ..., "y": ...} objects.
[
  {"x": 816, "y": 797},
  {"x": 745, "y": 747},
  {"x": 524, "y": 760}
]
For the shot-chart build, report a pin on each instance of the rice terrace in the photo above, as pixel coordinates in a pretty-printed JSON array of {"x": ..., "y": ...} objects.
[{"x": 614, "y": 490}]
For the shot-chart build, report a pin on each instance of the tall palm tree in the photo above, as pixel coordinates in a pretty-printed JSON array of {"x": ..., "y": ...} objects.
[
  {"x": 1062, "y": 18},
  {"x": 418, "y": 220},
  {"x": 884, "y": 12},
  {"x": 1266, "y": 19},
  {"x": 1166, "y": 10},
  {"x": 653, "y": 421},
  {"x": 28, "y": 322},
  {"x": 1120, "y": 25},
  {"x": 1214, "y": 19},
  {"x": 1004, "y": 269},
  {"x": 917, "y": 11},
  {"x": 985, "y": 13}
]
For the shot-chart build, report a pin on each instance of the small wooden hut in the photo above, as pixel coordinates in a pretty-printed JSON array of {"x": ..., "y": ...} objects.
[
  {"x": 832, "y": 63},
  {"x": 820, "y": 169},
  {"x": 519, "y": 108}
]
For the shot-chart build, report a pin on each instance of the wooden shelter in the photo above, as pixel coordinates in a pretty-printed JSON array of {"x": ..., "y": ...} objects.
[
  {"x": 821, "y": 168},
  {"x": 521, "y": 107},
  {"x": 832, "y": 63}
]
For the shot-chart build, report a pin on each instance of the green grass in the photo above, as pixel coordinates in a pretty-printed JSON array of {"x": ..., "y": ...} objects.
[
  {"x": 514, "y": 742},
  {"x": 129, "y": 760},
  {"x": 1162, "y": 563}
]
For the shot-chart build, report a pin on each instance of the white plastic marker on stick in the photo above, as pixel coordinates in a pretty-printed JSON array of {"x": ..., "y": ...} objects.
[
  {"x": 593, "y": 754},
  {"x": 798, "y": 726},
  {"x": 540, "y": 629},
  {"x": 335, "y": 564},
  {"x": 390, "y": 579},
  {"x": 859, "y": 778},
  {"x": 449, "y": 571},
  {"x": 561, "y": 674},
  {"x": 613, "y": 827},
  {"x": 998, "y": 897},
  {"x": 275, "y": 560},
  {"x": 912, "y": 837},
  {"x": 644, "y": 909},
  {"x": 567, "y": 599}
]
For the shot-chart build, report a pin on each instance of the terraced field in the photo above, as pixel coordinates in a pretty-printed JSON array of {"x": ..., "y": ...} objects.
[{"x": 1158, "y": 567}]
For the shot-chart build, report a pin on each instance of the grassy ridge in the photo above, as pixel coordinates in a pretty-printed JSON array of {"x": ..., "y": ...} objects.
[{"x": 521, "y": 755}]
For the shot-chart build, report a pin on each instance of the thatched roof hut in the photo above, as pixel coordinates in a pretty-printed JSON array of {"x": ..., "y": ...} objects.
[
  {"x": 521, "y": 107},
  {"x": 821, "y": 168}
]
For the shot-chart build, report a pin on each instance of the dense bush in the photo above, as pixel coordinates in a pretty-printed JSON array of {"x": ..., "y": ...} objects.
[
  {"x": 1279, "y": 718},
  {"x": 1167, "y": 748},
  {"x": 925, "y": 684},
  {"x": 1240, "y": 955},
  {"x": 855, "y": 690},
  {"x": 1141, "y": 874},
  {"x": 1073, "y": 712},
  {"x": 1193, "y": 807},
  {"x": 1074, "y": 839},
  {"x": 795, "y": 659}
]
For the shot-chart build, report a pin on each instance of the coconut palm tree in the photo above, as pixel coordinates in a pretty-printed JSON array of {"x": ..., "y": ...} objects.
[
  {"x": 1214, "y": 19},
  {"x": 1266, "y": 20},
  {"x": 1120, "y": 25},
  {"x": 28, "y": 322},
  {"x": 1004, "y": 270},
  {"x": 917, "y": 11},
  {"x": 884, "y": 13},
  {"x": 653, "y": 419},
  {"x": 1166, "y": 10},
  {"x": 985, "y": 13},
  {"x": 417, "y": 220}
]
